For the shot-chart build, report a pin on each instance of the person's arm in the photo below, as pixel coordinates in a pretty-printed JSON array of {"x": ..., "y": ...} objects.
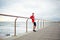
[{"x": 30, "y": 17}]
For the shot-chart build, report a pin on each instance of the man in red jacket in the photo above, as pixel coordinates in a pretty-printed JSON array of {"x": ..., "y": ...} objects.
[{"x": 33, "y": 21}]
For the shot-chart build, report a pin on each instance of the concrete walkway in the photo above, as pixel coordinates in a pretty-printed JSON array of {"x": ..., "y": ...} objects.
[{"x": 49, "y": 33}]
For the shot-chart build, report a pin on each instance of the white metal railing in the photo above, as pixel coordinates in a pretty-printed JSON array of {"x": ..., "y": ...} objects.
[{"x": 16, "y": 17}]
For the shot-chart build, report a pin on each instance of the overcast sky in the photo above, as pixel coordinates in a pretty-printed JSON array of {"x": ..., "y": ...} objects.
[{"x": 43, "y": 9}]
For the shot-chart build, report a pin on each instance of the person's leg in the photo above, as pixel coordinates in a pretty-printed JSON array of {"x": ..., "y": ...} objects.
[{"x": 34, "y": 27}]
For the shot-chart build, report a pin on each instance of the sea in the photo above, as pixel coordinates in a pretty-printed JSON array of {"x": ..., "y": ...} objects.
[{"x": 7, "y": 28}]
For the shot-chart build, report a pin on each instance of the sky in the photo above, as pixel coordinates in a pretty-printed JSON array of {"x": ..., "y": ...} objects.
[{"x": 43, "y": 9}]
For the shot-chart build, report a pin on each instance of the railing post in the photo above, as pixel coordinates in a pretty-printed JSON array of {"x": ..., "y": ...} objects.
[
  {"x": 43, "y": 23},
  {"x": 38, "y": 24},
  {"x": 27, "y": 25},
  {"x": 15, "y": 27}
]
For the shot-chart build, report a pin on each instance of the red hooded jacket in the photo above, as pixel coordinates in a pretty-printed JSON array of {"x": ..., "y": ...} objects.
[{"x": 33, "y": 19}]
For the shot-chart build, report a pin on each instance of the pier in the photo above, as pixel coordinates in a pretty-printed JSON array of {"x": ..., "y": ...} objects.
[{"x": 51, "y": 32}]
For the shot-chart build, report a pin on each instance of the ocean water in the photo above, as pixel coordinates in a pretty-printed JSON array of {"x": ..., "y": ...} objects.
[{"x": 7, "y": 28}]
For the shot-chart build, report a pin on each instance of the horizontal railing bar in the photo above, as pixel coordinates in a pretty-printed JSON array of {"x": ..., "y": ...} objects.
[
  {"x": 15, "y": 16},
  {"x": 12, "y": 16}
]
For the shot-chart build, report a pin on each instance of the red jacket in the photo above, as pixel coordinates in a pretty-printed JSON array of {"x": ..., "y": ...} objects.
[{"x": 33, "y": 19}]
